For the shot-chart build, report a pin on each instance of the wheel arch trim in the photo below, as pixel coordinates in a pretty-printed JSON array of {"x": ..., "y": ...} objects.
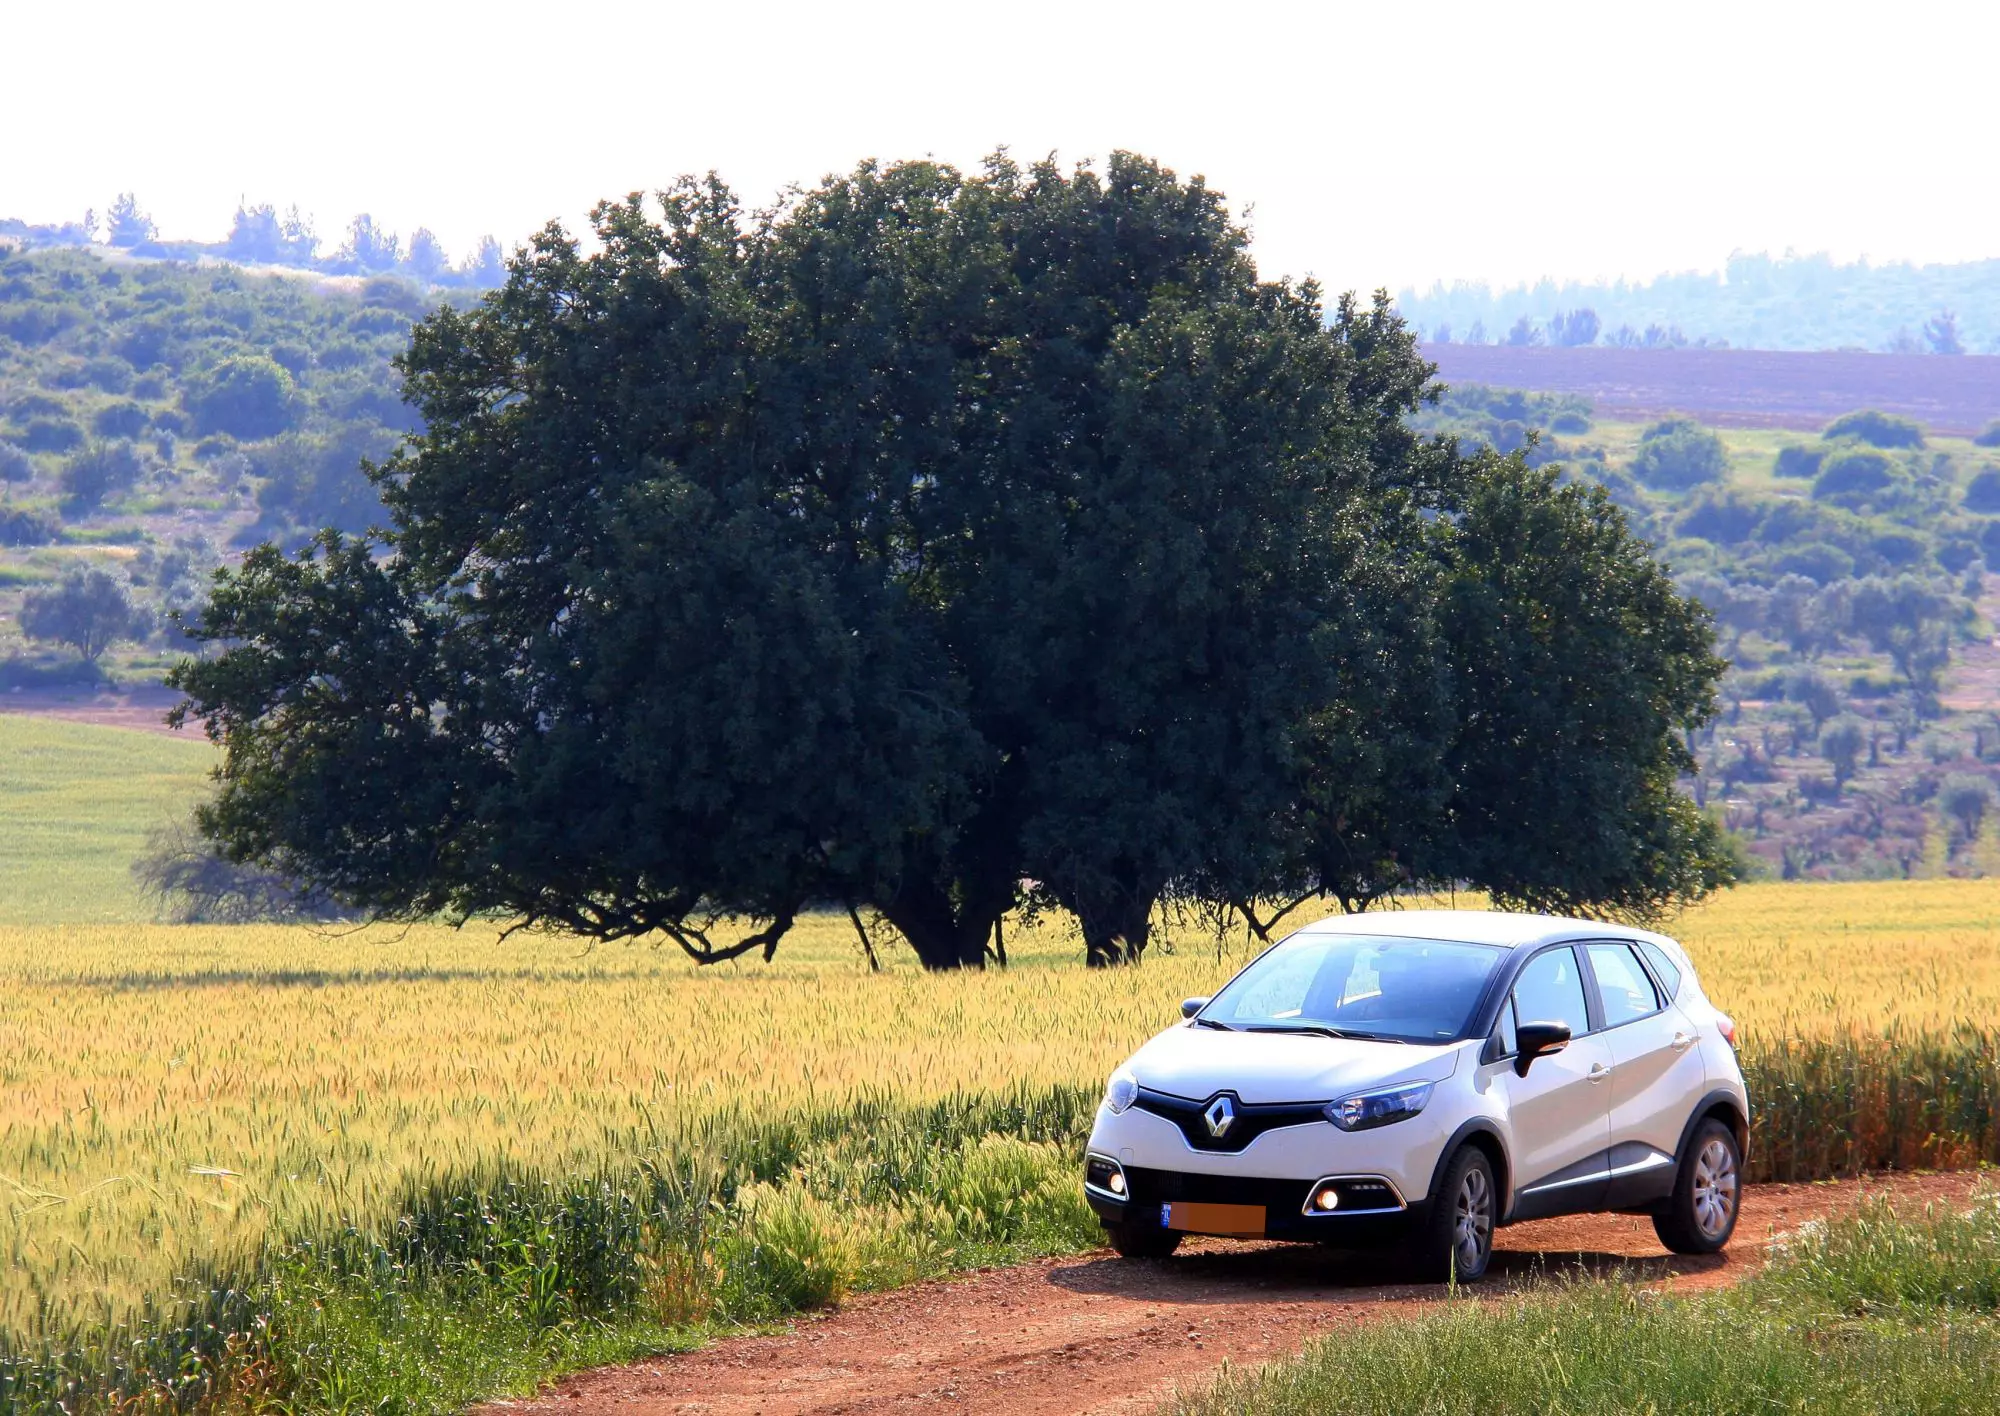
[
  {"x": 1495, "y": 1146},
  {"x": 1722, "y": 1104}
]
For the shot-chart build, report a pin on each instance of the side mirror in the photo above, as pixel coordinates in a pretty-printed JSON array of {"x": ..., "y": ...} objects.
[
  {"x": 1191, "y": 1006},
  {"x": 1532, "y": 1040}
]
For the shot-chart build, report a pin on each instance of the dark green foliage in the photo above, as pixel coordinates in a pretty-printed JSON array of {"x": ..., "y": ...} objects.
[
  {"x": 942, "y": 534},
  {"x": 1678, "y": 455},
  {"x": 1989, "y": 436},
  {"x": 1875, "y": 428},
  {"x": 1565, "y": 633},
  {"x": 25, "y": 526},
  {"x": 15, "y": 464},
  {"x": 314, "y": 481},
  {"x": 89, "y": 610},
  {"x": 1728, "y": 518},
  {"x": 245, "y": 395},
  {"x": 1798, "y": 461},
  {"x": 1840, "y": 743},
  {"x": 1853, "y": 476},
  {"x": 124, "y": 419},
  {"x": 51, "y": 435},
  {"x": 108, "y": 373},
  {"x": 1982, "y": 493},
  {"x": 100, "y": 471}
]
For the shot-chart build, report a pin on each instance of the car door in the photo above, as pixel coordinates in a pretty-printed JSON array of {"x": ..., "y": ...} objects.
[
  {"x": 1657, "y": 1073},
  {"x": 1559, "y": 1113}
]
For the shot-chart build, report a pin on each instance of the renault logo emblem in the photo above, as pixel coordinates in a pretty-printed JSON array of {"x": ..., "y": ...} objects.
[{"x": 1220, "y": 1116}]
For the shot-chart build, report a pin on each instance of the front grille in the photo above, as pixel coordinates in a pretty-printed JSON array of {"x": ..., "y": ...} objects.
[
  {"x": 1154, "y": 1187},
  {"x": 1251, "y": 1119}
]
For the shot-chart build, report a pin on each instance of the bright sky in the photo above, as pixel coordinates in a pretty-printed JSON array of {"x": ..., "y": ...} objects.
[{"x": 1379, "y": 144}]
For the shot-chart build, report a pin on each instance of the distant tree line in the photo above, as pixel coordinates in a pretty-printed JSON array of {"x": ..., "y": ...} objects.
[
  {"x": 1755, "y": 301},
  {"x": 260, "y": 235},
  {"x": 938, "y": 546}
]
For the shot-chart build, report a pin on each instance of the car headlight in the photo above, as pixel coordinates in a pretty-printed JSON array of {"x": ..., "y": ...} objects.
[
  {"x": 1120, "y": 1092},
  {"x": 1366, "y": 1110}
]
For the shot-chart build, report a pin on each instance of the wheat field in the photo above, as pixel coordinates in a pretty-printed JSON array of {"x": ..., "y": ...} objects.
[{"x": 170, "y": 1094}]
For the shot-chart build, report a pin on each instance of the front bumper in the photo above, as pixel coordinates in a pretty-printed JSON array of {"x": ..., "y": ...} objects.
[{"x": 1384, "y": 1217}]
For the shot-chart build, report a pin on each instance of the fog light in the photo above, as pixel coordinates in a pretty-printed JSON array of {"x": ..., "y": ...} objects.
[
  {"x": 1117, "y": 1182},
  {"x": 1327, "y": 1199}
]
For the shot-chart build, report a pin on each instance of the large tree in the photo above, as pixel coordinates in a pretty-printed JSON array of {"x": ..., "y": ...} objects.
[{"x": 928, "y": 536}]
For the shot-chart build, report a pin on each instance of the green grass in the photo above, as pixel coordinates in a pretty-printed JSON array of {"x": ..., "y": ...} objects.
[
  {"x": 76, "y": 803},
  {"x": 1873, "y": 1313}
]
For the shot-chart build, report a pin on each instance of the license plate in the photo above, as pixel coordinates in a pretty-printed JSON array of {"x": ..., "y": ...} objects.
[{"x": 1230, "y": 1221}]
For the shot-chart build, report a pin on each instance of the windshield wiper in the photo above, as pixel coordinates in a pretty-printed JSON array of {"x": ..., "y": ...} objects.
[
  {"x": 1212, "y": 1023},
  {"x": 1320, "y": 1030}
]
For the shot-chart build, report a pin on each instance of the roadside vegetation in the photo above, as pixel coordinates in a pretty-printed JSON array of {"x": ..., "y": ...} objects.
[{"x": 1877, "y": 1312}]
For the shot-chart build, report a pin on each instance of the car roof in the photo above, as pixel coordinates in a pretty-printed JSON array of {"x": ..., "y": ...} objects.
[{"x": 1503, "y": 928}]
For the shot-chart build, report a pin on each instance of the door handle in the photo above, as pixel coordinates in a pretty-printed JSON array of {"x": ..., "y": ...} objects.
[
  {"x": 1683, "y": 1041},
  {"x": 1598, "y": 1072}
]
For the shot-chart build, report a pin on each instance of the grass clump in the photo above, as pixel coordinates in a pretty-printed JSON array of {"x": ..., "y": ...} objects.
[{"x": 1871, "y": 1313}]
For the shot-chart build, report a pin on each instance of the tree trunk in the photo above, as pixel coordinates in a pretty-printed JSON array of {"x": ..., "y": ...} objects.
[
  {"x": 1117, "y": 932},
  {"x": 943, "y": 935}
]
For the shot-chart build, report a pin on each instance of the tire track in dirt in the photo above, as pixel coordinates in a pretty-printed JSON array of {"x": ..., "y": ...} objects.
[{"x": 1096, "y": 1334}]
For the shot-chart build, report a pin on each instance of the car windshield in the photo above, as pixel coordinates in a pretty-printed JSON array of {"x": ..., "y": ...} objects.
[{"x": 1354, "y": 985}]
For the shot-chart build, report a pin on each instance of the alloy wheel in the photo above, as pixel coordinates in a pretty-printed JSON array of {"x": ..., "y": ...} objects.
[
  {"x": 1715, "y": 1185},
  {"x": 1472, "y": 1228}
]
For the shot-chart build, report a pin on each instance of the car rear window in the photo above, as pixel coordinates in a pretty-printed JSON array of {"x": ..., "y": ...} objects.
[{"x": 1663, "y": 964}]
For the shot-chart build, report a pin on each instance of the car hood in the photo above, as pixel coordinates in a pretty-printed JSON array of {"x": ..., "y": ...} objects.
[{"x": 1198, "y": 1062}]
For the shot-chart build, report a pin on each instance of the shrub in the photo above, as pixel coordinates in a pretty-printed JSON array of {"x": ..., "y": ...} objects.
[
  {"x": 1852, "y": 474},
  {"x": 15, "y": 464},
  {"x": 89, "y": 610},
  {"x": 1875, "y": 428},
  {"x": 1817, "y": 561},
  {"x": 1982, "y": 493},
  {"x": 109, "y": 373},
  {"x": 124, "y": 419},
  {"x": 1900, "y": 549},
  {"x": 25, "y": 526},
  {"x": 99, "y": 471},
  {"x": 51, "y": 435},
  {"x": 1727, "y": 519},
  {"x": 1988, "y": 436},
  {"x": 1797, "y": 461},
  {"x": 1678, "y": 455},
  {"x": 246, "y": 396},
  {"x": 151, "y": 387}
]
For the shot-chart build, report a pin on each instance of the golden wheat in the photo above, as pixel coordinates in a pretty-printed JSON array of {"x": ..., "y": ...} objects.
[{"x": 173, "y": 1093}]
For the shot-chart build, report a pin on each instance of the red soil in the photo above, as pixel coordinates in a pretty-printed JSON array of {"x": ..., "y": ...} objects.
[{"x": 1096, "y": 1334}]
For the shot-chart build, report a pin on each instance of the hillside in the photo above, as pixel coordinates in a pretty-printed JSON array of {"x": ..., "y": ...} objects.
[{"x": 157, "y": 417}]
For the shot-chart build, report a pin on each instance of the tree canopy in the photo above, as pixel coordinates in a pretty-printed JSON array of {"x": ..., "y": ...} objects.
[{"x": 930, "y": 546}]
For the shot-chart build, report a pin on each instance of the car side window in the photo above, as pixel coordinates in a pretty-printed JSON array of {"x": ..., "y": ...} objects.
[
  {"x": 1550, "y": 990},
  {"x": 1622, "y": 985},
  {"x": 1505, "y": 1028},
  {"x": 1668, "y": 972}
]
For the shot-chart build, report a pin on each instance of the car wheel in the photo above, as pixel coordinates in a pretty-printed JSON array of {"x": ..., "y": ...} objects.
[
  {"x": 1457, "y": 1238},
  {"x": 1701, "y": 1215},
  {"x": 1142, "y": 1241}
]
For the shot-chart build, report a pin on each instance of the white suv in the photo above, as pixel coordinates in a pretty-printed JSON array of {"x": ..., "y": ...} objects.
[{"x": 1421, "y": 1077}]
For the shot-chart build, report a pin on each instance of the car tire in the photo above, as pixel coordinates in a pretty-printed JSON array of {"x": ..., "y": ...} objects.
[
  {"x": 1142, "y": 1241},
  {"x": 1708, "y": 1190},
  {"x": 1455, "y": 1242}
]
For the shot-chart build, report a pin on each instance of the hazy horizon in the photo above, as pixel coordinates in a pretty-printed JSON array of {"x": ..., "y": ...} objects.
[{"x": 1559, "y": 141}]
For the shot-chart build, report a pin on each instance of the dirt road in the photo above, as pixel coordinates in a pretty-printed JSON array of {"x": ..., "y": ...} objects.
[{"x": 1094, "y": 1334}]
